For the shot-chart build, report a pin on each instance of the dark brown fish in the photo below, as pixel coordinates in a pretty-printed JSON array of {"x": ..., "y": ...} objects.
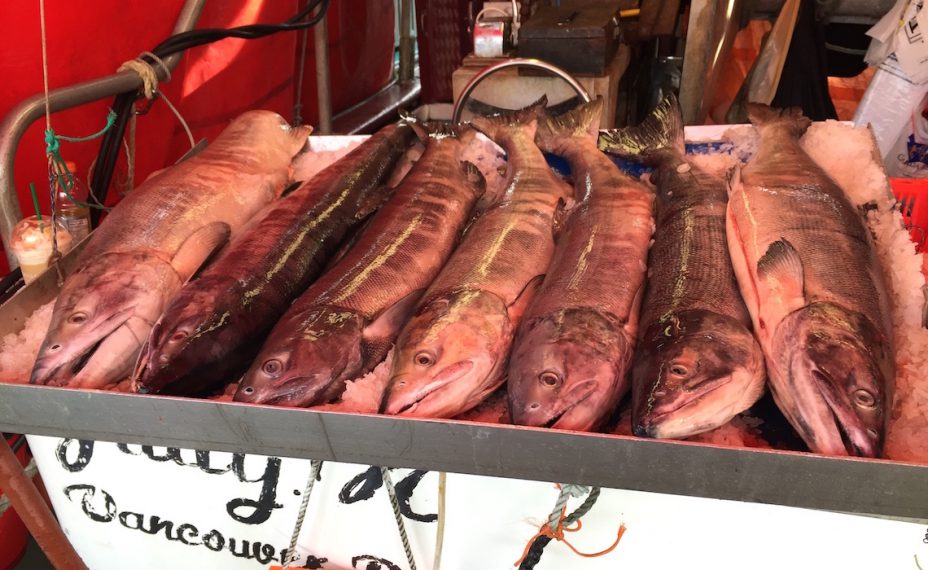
[
  {"x": 697, "y": 363},
  {"x": 215, "y": 324},
  {"x": 570, "y": 360},
  {"x": 345, "y": 324},
  {"x": 810, "y": 277}
]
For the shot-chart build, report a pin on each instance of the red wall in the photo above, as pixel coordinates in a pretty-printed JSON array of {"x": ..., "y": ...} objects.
[{"x": 212, "y": 83}]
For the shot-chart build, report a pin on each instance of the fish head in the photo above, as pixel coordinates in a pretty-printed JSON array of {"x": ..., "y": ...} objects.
[
  {"x": 177, "y": 345},
  {"x": 307, "y": 360},
  {"x": 449, "y": 356},
  {"x": 694, "y": 371},
  {"x": 567, "y": 370},
  {"x": 101, "y": 318},
  {"x": 839, "y": 371}
]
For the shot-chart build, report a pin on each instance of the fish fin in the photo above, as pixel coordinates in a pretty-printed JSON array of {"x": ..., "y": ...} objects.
[
  {"x": 561, "y": 213},
  {"x": 582, "y": 121},
  {"x": 372, "y": 201},
  {"x": 517, "y": 308},
  {"x": 661, "y": 132},
  {"x": 435, "y": 129},
  {"x": 733, "y": 179},
  {"x": 197, "y": 148},
  {"x": 792, "y": 118},
  {"x": 780, "y": 275},
  {"x": 498, "y": 126},
  {"x": 291, "y": 188},
  {"x": 473, "y": 176},
  {"x": 382, "y": 330},
  {"x": 199, "y": 247}
]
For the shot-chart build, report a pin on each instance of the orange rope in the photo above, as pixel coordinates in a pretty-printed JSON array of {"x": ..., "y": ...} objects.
[{"x": 558, "y": 534}]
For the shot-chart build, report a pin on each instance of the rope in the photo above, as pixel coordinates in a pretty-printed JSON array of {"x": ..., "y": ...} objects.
[
  {"x": 562, "y": 523},
  {"x": 391, "y": 493},
  {"x": 316, "y": 466},
  {"x": 440, "y": 532},
  {"x": 146, "y": 71},
  {"x": 30, "y": 470}
]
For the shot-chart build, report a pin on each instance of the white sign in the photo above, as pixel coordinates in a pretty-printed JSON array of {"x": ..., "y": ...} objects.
[{"x": 142, "y": 507}]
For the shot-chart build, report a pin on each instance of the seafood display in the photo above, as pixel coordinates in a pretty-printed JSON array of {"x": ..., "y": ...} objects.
[
  {"x": 571, "y": 356},
  {"x": 809, "y": 274},
  {"x": 453, "y": 352},
  {"x": 153, "y": 242},
  {"x": 697, "y": 364},
  {"x": 211, "y": 328},
  {"x": 435, "y": 272},
  {"x": 346, "y": 322}
]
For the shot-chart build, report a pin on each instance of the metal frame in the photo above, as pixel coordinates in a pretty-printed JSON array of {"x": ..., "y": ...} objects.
[{"x": 19, "y": 119}]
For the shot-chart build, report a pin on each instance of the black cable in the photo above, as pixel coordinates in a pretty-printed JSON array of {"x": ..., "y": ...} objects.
[{"x": 108, "y": 155}]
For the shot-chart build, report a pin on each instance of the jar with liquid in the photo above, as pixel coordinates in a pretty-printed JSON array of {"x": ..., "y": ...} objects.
[{"x": 72, "y": 209}]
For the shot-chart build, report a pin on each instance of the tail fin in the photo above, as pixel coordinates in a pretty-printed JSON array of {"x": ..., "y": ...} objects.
[
  {"x": 498, "y": 126},
  {"x": 582, "y": 121},
  {"x": 474, "y": 177},
  {"x": 433, "y": 129},
  {"x": 661, "y": 131},
  {"x": 791, "y": 118}
]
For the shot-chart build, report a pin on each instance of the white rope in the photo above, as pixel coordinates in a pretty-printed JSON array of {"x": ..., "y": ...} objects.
[
  {"x": 292, "y": 556},
  {"x": 146, "y": 71},
  {"x": 440, "y": 532}
]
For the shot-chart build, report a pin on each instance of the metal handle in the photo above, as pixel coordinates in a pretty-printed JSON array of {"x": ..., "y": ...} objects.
[{"x": 516, "y": 62}]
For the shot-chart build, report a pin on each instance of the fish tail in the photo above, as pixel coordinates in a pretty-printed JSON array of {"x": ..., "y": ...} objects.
[
  {"x": 474, "y": 177},
  {"x": 660, "y": 132},
  {"x": 582, "y": 121},
  {"x": 765, "y": 116},
  {"x": 434, "y": 129},
  {"x": 505, "y": 124}
]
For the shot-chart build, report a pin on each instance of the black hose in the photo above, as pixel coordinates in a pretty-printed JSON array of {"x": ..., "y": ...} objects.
[{"x": 108, "y": 155}]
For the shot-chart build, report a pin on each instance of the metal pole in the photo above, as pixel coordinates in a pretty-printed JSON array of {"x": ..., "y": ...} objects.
[
  {"x": 323, "y": 81},
  {"x": 19, "y": 119},
  {"x": 407, "y": 42},
  {"x": 34, "y": 512}
]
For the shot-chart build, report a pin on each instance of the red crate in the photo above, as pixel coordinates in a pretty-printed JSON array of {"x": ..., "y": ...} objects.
[{"x": 912, "y": 194}]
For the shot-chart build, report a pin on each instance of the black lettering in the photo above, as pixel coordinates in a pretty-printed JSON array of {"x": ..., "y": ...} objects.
[
  {"x": 263, "y": 553},
  {"x": 89, "y": 493},
  {"x": 244, "y": 553},
  {"x": 214, "y": 540},
  {"x": 136, "y": 518},
  {"x": 373, "y": 563},
  {"x": 369, "y": 481},
  {"x": 84, "y": 453},
  {"x": 191, "y": 533},
  {"x": 314, "y": 563},
  {"x": 266, "y": 503},
  {"x": 404, "y": 491},
  {"x": 203, "y": 462},
  {"x": 157, "y": 524},
  {"x": 170, "y": 454},
  {"x": 124, "y": 447}
]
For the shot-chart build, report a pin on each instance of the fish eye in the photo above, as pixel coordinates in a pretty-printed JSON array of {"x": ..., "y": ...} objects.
[
  {"x": 248, "y": 390},
  {"x": 864, "y": 399},
  {"x": 424, "y": 359},
  {"x": 549, "y": 378},
  {"x": 77, "y": 318},
  {"x": 678, "y": 369},
  {"x": 271, "y": 367},
  {"x": 178, "y": 336}
]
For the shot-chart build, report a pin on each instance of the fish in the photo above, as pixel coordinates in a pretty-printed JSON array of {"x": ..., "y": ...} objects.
[
  {"x": 345, "y": 323},
  {"x": 154, "y": 241},
  {"x": 809, "y": 275},
  {"x": 212, "y": 329},
  {"x": 697, "y": 364},
  {"x": 453, "y": 352},
  {"x": 569, "y": 365}
]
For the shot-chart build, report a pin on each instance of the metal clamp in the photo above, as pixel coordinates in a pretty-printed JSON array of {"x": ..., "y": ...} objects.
[{"x": 516, "y": 62}]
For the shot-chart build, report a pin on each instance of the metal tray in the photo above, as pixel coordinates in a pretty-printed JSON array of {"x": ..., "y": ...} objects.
[{"x": 852, "y": 485}]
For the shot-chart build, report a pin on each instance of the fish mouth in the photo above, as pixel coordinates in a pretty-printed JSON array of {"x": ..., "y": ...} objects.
[
  {"x": 552, "y": 423},
  {"x": 444, "y": 378},
  {"x": 294, "y": 392},
  {"x": 686, "y": 399},
  {"x": 853, "y": 436},
  {"x": 572, "y": 400}
]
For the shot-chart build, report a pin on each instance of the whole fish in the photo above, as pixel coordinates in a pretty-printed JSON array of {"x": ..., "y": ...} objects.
[
  {"x": 214, "y": 326},
  {"x": 154, "y": 241},
  {"x": 453, "y": 352},
  {"x": 570, "y": 360},
  {"x": 697, "y": 363},
  {"x": 345, "y": 324},
  {"x": 812, "y": 282}
]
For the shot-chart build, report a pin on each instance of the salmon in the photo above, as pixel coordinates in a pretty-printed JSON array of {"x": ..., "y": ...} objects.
[
  {"x": 345, "y": 323},
  {"x": 212, "y": 329},
  {"x": 810, "y": 278},
  {"x": 697, "y": 364},
  {"x": 570, "y": 360},
  {"x": 453, "y": 352},
  {"x": 153, "y": 241}
]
